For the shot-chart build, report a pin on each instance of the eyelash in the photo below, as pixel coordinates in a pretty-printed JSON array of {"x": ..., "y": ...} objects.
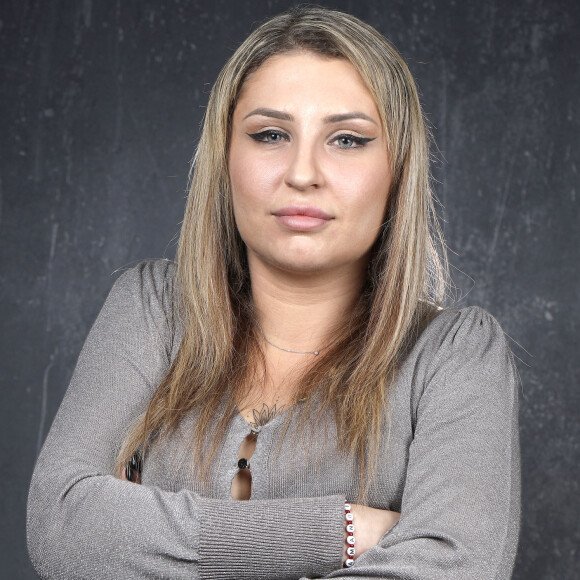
[{"x": 262, "y": 137}]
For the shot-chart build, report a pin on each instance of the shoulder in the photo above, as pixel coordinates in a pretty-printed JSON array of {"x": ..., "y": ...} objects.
[
  {"x": 462, "y": 347},
  {"x": 143, "y": 299},
  {"x": 150, "y": 285},
  {"x": 149, "y": 276},
  {"x": 470, "y": 328}
]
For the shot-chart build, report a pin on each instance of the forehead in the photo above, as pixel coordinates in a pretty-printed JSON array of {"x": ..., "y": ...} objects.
[{"x": 297, "y": 79}]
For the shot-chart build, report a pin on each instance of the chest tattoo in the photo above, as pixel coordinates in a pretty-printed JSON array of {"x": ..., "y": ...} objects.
[{"x": 264, "y": 416}]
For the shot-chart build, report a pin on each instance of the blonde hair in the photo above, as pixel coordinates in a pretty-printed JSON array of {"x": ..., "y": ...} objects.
[{"x": 406, "y": 275}]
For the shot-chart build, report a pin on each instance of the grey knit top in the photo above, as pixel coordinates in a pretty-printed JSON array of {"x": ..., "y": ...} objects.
[{"x": 451, "y": 466}]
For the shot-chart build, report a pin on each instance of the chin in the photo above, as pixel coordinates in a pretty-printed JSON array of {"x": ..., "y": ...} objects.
[
  {"x": 304, "y": 266},
  {"x": 303, "y": 262}
]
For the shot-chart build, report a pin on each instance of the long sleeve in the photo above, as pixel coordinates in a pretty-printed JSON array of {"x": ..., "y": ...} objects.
[
  {"x": 84, "y": 523},
  {"x": 460, "y": 511}
]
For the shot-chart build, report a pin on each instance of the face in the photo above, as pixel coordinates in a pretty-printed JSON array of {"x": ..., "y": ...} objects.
[{"x": 308, "y": 165}]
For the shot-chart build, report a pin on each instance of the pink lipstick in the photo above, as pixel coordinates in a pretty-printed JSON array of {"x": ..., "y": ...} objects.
[{"x": 302, "y": 219}]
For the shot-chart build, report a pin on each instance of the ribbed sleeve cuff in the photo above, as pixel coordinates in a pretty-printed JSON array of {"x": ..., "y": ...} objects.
[{"x": 281, "y": 538}]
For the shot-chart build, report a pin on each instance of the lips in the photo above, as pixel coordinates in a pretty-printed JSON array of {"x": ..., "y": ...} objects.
[
  {"x": 302, "y": 218},
  {"x": 310, "y": 211}
]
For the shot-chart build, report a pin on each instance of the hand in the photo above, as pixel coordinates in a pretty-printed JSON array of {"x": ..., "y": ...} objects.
[
  {"x": 370, "y": 525},
  {"x": 132, "y": 471}
]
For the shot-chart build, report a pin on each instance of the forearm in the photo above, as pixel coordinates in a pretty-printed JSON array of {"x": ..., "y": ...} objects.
[{"x": 97, "y": 526}]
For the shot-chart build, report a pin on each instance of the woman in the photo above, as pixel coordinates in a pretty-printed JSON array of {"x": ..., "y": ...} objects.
[{"x": 296, "y": 355}]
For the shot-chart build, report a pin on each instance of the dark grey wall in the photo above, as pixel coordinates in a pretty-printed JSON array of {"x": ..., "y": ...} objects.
[{"x": 101, "y": 103}]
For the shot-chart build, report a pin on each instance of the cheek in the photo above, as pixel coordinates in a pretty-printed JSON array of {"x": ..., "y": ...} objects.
[
  {"x": 240, "y": 171},
  {"x": 365, "y": 202},
  {"x": 253, "y": 177},
  {"x": 369, "y": 195},
  {"x": 253, "y": 182}
]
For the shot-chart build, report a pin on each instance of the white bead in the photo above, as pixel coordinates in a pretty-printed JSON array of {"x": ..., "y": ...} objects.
[
  {"x": 350, "y": 551},
  {"x": 349, "y": 562},
  {"x": 349, "y": 517},
  {"x": 346, "y": 507},
  {"x": 350, "y": 540},
  {"x": 350, "y": 528}
]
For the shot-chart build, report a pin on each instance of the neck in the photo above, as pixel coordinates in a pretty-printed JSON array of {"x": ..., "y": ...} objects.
[{"x": 299, "y": 312}]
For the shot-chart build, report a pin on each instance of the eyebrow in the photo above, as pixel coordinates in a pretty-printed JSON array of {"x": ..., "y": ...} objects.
[
  {"x": 348, "y": 117},
  {"x": 273, "y": 113}
]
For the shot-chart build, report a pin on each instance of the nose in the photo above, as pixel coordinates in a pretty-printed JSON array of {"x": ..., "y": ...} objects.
[{"x": 303, "y": 171}]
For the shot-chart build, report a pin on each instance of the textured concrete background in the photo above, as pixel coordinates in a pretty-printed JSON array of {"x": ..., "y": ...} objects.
[{"x": 101, "y": 104}]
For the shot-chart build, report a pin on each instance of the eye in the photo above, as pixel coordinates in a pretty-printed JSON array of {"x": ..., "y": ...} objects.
[
  {"x": 269, "y": 136},
  {"x": 347, "y": 141}
]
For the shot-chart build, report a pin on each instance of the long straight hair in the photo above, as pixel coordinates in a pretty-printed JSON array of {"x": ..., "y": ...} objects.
[{"x": 406, "y": 277}]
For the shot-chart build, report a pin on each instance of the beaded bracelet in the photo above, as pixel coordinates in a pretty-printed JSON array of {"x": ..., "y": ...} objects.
[{"x": 350, "y": 551}]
